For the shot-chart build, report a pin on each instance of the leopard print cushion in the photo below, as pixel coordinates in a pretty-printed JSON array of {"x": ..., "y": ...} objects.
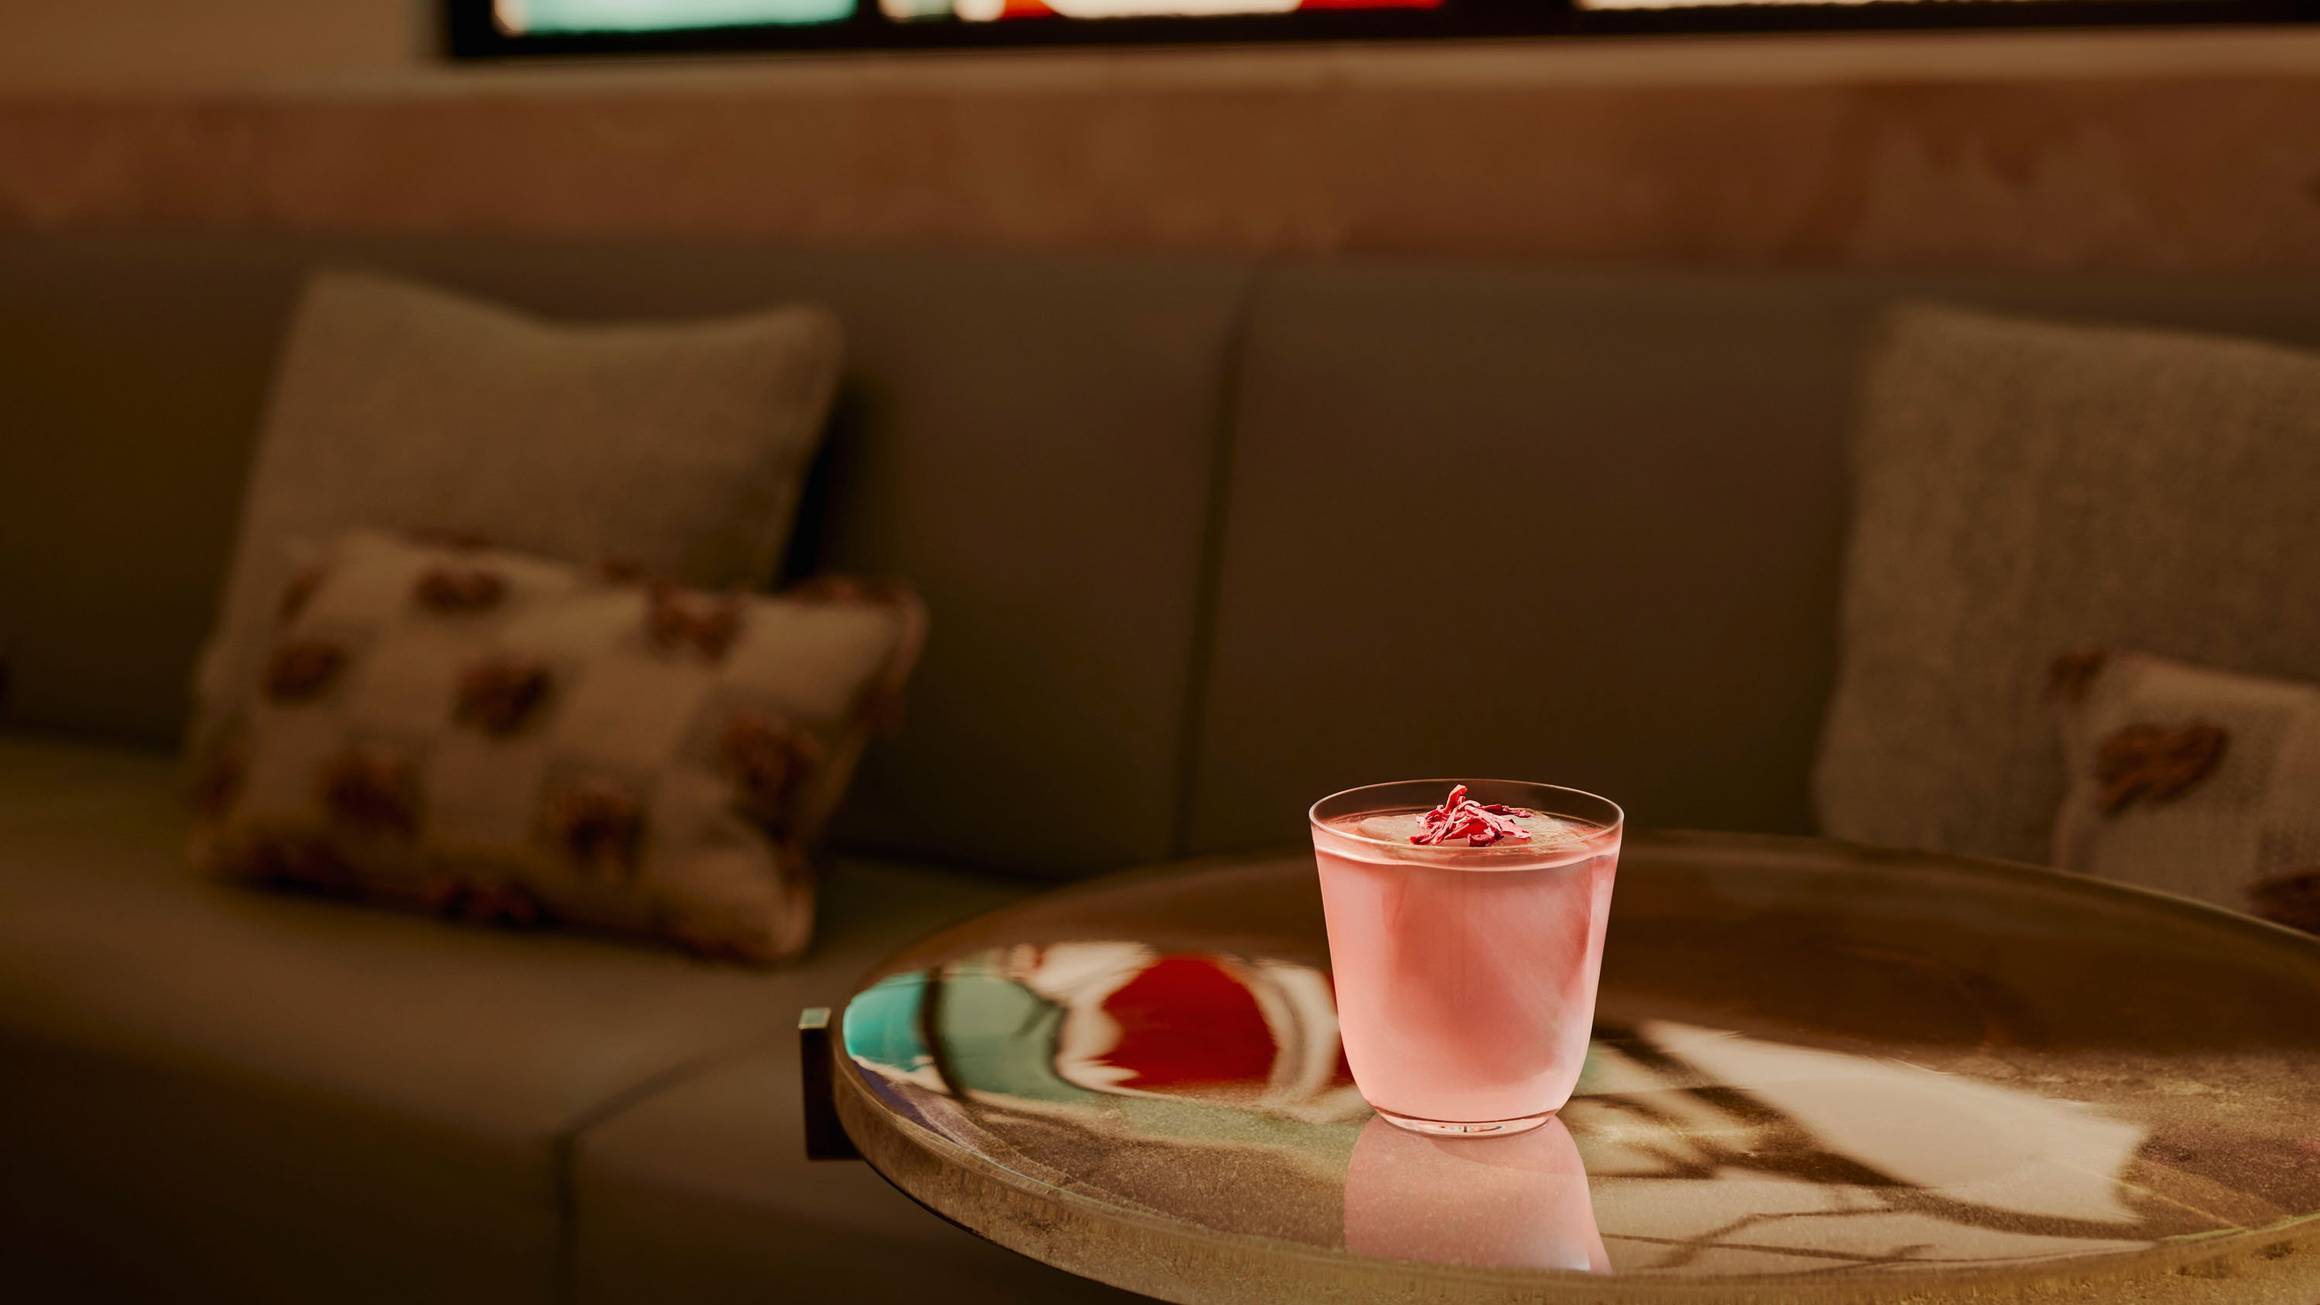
[
  {"x": 500, "y": 738},
  {"x": 2199, "y": 782}
]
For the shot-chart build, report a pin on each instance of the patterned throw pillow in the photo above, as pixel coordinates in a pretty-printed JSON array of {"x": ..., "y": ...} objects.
[
  {"x": 2199, "y": 782},
  {"x": 493, "y": 736}
]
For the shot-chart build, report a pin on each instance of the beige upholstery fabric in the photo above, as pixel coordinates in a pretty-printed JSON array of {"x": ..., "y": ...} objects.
[
  {"x": 2193, "y": 781},
  {"x": 679, "y": 448},
  {"x": 2023, "y": 490},
  {"x": 701, "y": 1192},
  {"x": 283, "y": 1100}
]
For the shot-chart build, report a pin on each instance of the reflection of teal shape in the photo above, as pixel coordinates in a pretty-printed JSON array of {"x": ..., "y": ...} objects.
[
  {"x": 999, "y": 1037},
  {"x": 994, "y": 1035},
  {"x": 882, "y": 1026},
  {"x": 672, "y": 15}
]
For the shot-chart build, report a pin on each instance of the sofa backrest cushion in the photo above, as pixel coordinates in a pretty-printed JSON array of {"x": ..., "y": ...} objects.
[{"x": 1576, "y": 526}]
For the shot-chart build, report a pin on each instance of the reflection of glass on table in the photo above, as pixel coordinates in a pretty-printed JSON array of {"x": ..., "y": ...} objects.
[{"x": 1515, "y": 1202}]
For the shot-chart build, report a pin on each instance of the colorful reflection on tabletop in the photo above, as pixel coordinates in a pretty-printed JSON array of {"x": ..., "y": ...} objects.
[
  {"x": 1179, "y": 1083},
  {"x": 1119, "y": 1026}
]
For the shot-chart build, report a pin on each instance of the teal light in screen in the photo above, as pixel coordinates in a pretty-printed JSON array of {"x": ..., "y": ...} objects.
[{"x": 662, "y": 15}]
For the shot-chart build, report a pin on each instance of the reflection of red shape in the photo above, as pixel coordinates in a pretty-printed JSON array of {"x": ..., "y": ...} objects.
[{"x": 1185, "y": 1020}]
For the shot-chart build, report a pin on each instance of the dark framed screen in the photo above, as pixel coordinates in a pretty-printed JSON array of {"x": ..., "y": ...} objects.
[{"x": 489, "y": 28}]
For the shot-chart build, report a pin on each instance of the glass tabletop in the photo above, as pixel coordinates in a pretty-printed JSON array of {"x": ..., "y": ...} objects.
[{"x": 1809, "y": 1060}]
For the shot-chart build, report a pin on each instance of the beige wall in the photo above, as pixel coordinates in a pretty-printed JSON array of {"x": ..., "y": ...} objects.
[
  {"x": 78, "y": 44},
  {"x": 2141, "y": 149}
]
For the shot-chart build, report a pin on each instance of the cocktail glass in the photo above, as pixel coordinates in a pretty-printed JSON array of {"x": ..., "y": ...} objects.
[{"x": 1465, "y": 975}]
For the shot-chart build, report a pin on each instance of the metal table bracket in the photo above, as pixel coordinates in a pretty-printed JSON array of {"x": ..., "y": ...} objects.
[{"x": 825, "y": 1137}]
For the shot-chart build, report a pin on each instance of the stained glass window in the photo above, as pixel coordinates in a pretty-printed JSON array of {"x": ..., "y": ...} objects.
[
  {"x": 517, "y": 17},
  {"x": 502, "y": 27}
]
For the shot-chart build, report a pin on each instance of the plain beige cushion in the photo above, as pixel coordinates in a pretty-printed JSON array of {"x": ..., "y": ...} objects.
[
  {"x": 280, "y": 1099},
  {"x": 678, "y": 447},
  {"x": 2027, "y": 489}
]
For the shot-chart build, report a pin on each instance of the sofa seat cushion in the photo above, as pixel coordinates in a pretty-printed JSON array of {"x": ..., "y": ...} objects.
[
  {"x": 701, "y": 1192},
  {"x": 296, "y": 1100}
]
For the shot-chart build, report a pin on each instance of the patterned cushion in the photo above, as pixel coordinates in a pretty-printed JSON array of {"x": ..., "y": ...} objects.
[
  {"x": 2199, "y": 782},
  {"x": 495, "y": 736}
]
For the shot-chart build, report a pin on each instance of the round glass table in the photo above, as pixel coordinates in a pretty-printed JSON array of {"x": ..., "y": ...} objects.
[{"x": 1819, "y": 1073}]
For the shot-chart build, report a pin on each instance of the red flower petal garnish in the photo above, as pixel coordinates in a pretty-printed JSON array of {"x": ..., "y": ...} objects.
[{"x": 1479, "y": 823}]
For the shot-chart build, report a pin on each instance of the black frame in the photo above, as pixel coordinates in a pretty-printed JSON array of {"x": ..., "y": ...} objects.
[{"x": 471, "y": 33}]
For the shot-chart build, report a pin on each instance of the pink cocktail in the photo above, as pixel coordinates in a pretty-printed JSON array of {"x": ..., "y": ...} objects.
[{"x": 1466, "y": 939}]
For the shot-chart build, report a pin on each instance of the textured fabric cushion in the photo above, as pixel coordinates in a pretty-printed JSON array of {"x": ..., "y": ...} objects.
[
  {"x": 2024, "y": 489},
  {"x": 679, "y": 448},
  {"x": 207, "y": 1093},
  {"x": 487, "y": 734},
  {"x": 2192, "y": 781}
]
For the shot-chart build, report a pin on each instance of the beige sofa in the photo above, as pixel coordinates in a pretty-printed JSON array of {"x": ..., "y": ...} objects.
[{"x": 1202, "y": 540}]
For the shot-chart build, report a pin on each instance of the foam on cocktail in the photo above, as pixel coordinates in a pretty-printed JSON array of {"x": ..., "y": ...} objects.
[{"x": 1544, "y": 833}]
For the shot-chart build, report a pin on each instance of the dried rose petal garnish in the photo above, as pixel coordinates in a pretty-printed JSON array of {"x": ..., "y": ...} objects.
[{"x": 1479, "y": 823}]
